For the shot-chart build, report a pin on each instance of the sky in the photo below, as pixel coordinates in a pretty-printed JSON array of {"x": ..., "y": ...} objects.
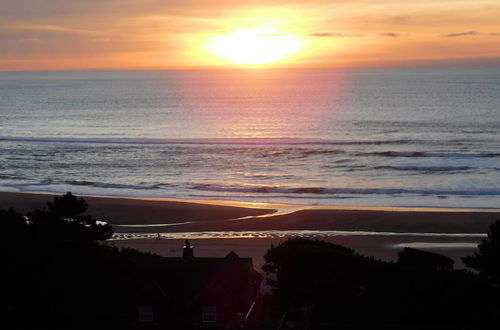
[{"x": 180, "y": 34}]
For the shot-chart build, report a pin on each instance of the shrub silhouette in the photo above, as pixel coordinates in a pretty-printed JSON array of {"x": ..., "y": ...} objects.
[
  {"x": 419, "y": 259},
  {"x": 318, "y": 281},
  {"x": 67, "y": 205},
  {"x": 487, "y": 259},
  {"x": 313, "y": 269},
  {"x": 63, "y": 222}
]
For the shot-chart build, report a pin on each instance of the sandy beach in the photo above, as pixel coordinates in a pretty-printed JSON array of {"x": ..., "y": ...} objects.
[{"x": 215, "y": 228}]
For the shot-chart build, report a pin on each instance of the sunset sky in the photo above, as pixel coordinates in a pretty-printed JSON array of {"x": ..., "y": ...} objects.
[{"x": 185, "y": 34}]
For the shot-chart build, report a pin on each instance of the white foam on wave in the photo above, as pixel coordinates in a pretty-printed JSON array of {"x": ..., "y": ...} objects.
[
  {"x": 222, "y": 141},
  {"x": 459, "y": 201},
  {"x": 422, "y": 154},
  {"x": 428, "y": 168},
  {"x": 262, "y": 189}
]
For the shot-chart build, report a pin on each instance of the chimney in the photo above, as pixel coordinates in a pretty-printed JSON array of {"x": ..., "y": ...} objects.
[{"x": 187, "y": 250}]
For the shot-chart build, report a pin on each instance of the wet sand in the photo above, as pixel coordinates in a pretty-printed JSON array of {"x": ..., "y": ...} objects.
[
  {"x": 378, "y": 232},
  {"x": 126, "y": 211}
]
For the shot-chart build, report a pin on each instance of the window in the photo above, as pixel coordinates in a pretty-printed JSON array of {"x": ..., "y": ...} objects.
[
  {"x": 145, "y": 314},
  {"x": 209, "y": 314}
]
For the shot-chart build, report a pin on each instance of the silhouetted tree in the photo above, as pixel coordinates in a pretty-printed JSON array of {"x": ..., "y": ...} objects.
[
  {"x": 487, "y": 259},
  {"x": 13, "y": 221},
  {"x": 54, "y": 266},
  {"x": 424, "y": 260},
  {"x": 67, "y": 205},
  {"x": 302, "y": 269},
  {"x": 63, "y": 222}
]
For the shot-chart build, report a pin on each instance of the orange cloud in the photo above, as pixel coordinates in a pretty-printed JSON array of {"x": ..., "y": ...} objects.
[{"x": 149, "y": 34}]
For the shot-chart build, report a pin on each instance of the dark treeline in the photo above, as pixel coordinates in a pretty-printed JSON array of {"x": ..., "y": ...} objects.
[
  {"x": 320, "y": 285},
  {"x": 60, "y": 274}
]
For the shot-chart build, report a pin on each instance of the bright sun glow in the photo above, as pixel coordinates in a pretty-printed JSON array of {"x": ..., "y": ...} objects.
[{"x": 254, "y": 46}]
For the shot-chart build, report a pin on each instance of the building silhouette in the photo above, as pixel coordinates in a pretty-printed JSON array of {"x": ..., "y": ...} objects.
[{"x": 193, "y": 292}]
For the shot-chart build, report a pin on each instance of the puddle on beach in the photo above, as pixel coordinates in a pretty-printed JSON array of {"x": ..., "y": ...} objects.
[
  {"x": 288, "y": 233},
  {"x": 433, "y": 245},
  {"x": 154, "y": 225}
]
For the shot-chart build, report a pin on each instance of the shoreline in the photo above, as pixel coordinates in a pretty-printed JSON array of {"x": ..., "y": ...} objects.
[
  {"x": 274, "y": 208},
  {"x": 141, "y": 215},
  {"x": 216, "y": 228},
  {"x": 130, "y": 214}
]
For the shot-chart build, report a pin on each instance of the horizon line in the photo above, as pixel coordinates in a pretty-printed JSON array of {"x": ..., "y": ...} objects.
[{"x": 428, "y": 63}]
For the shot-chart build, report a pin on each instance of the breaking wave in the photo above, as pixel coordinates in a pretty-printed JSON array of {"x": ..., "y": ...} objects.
[
  {"x": 435, "y": 154},
  {"x": 335, "y": 191},
  {"x": 110, "y": 185},
  {"x": 426, "y": 168},
  {"x": 222, "y": 141}
]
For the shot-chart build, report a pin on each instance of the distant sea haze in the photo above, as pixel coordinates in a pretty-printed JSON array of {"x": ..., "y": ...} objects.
[{"x": 423, "y": 137}]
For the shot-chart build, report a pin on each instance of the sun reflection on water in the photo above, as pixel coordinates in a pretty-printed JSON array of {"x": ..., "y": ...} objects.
[{"x": 259, "y": 103}]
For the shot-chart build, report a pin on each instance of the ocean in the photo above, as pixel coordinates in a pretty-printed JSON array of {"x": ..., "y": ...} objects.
[{"x": 414, "y": 137}]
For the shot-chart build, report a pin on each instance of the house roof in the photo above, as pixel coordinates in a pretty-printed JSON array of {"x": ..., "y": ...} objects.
[{"x": 181, "y": 282}]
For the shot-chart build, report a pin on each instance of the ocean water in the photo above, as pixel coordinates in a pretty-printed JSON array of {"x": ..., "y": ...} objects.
[{"x": 424, "y": 137}]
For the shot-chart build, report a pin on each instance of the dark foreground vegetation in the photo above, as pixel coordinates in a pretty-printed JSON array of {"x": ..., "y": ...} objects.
[
  {"x": 59, "y": 274},
  {"x": 319, "y": 285}
]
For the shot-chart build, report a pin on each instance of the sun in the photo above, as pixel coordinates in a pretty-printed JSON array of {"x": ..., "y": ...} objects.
[{"x": 254, "y": 46}]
